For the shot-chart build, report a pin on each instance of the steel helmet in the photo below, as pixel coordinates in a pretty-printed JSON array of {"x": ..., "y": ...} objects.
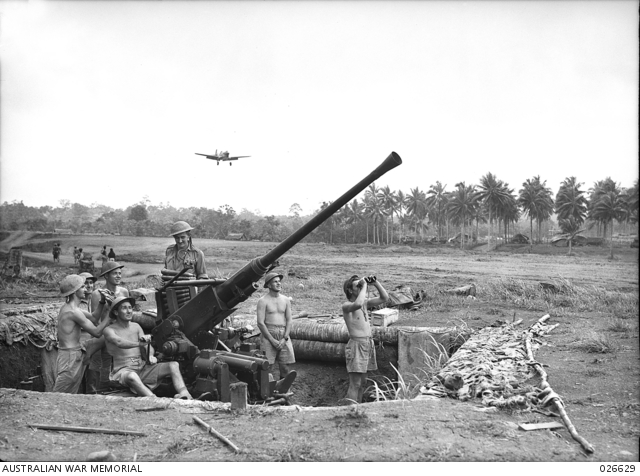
[
  {"x": 88, "y": 277},
  {"x": 180, "y": 227},
  {"x": 270, "y": 276},
  {"x": 119, "y": 300},
  {"x": 109, "y": 266},
  {"x": 70, "y": 284}
]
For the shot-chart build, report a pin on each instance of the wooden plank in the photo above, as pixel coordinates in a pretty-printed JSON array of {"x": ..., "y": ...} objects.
[
  {"x": 550, "y": 425},
  {"x": 82, "y": 429}
]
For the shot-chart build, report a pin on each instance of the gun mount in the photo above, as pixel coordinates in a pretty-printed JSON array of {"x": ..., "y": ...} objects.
[{"x": 190, "y": 313}]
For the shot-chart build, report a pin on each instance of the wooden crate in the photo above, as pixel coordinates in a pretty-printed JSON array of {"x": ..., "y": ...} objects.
[{"x": 384, "y": 317}]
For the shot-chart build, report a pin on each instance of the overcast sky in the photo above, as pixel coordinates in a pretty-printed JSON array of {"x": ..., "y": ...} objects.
[{"x": 108, "y": 102}]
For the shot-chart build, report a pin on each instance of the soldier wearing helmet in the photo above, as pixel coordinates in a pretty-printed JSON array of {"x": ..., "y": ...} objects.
[
  {"x": 183, "y": 254},
  {"x": 274, "y": 321},
  {"x": 111, "y": 271},
  {"x": 125, "y": 341},
  {"x": 71, "y": 320}
]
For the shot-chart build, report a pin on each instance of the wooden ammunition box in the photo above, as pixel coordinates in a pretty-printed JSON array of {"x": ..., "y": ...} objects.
[{"x": 384, "y": 317}]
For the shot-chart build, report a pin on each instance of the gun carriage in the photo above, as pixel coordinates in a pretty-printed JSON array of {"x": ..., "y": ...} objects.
[{"x": 190, "y": 324}]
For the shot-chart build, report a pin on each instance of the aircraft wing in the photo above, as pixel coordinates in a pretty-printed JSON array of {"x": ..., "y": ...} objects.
[
  {"x": 238, "y": 157},
  {"x": 212, "y": 157}
]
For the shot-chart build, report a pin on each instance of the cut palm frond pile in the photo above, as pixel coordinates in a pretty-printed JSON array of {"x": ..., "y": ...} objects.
[
  {"x": 492, "y": 365},
  {"x": 35, "y": 325}
]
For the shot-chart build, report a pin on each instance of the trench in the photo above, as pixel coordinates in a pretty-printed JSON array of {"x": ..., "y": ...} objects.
[{"x": 322, "y": 378}]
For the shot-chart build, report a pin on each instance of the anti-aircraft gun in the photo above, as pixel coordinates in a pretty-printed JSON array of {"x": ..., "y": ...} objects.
[{"x": 190, "y": 314}]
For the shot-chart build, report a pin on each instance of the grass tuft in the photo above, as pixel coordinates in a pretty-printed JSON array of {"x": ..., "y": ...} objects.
[{"x": 595, "y": 343}]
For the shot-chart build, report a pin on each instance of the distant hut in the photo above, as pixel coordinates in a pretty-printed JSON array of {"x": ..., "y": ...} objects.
[
  {"x": 519, "y": 238},
  {"x": 559, "y": 241},
  {"x": 236, "y": 237}
]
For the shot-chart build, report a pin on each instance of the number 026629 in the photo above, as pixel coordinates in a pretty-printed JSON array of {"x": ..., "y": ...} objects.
[{"x": 617, "y": 468}]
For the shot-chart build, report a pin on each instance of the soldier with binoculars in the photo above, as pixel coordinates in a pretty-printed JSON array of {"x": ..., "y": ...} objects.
[{"x": 360, "y": 351}]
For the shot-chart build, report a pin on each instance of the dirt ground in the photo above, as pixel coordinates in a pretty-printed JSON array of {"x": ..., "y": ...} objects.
[{"x": 601, "y": 390}]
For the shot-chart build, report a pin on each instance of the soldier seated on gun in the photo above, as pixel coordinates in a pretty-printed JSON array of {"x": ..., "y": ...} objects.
[
  {"x": 360, "y": 351},
  {"x": 274, "y": 322},
  {"x": 125, "y": 342}
]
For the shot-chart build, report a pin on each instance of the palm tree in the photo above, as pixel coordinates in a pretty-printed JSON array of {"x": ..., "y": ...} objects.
[
  {"x": 528, "y": 200},
  {"x": 462, "y": 205},
  {"x": 493, "y": 195},
  {"x": 400, "y": 204},
  {"x": 510, "y": 213},
  {"x": 571, "y": 202},
  {"x": 341, "y": 219},
  {"x": 632, "y": 200},
  {"x": 437, "y": 202},
  {"x": 544, "y": 208},
  {"x": 632, "y": 204},
  {"x": 416, "y": 206},
  {"x": 610, "y": 206},
  {"x": 571, "y": 227},
  {"x": 354, "y": 212},
  {"x": 600, "y": 188},
  {"x": 389, "y": 205},
  {"x": 373, "y": 209}
]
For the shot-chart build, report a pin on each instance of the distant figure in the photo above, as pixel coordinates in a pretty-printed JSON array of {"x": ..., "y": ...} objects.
[
  {"x": 75, "y": 255},
  {"x": 56, "y": 252},
  {"x": 183, "y": 254},
  {"x": 112, "y": 255},
  {"x": 103, "y": 255},
  {"x": 80, "y": 255}
]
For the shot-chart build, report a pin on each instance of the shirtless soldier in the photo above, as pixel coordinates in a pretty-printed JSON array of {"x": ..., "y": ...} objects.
[
  {"x": 71, "y": 320},
  {"x": 274, "y": 322},
  {"x": 124, "y": 340},
  {"x": 360, "y": 351}
]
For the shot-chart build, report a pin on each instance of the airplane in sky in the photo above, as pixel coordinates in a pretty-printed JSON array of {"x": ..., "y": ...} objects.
[{"x": 222, "y": 156}]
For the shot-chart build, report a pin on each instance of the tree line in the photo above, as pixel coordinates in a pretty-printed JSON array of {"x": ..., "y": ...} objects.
[
  {"x": 491, "y": 202},
  {"x": 380, "y": 216}
]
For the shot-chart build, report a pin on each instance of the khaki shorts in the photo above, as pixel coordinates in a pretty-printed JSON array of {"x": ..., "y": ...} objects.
[
  {"x": 70, "y": 370},
  {"x": 148, "y": 373},
  {"x": 282, "y": 356},
  {"x": 361, "y": 355}
]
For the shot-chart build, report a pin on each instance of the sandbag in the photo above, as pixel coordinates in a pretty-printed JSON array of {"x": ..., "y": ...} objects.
[{"x": 419, "y": 349}]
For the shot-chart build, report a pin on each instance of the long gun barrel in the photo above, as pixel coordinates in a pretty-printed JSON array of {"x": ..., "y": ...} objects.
[{"x": 209, "y": 307}]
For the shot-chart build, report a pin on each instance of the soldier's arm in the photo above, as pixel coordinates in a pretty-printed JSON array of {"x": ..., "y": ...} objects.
[
  {"x": 382, "y": 299},
  {"x": 201, "y": 268},
  {"x": 80, "y": 319},
  {"x": 113, "y": 338},
  {"x": 262, "y": 313},
  {"x": 287, "y": 318}
]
